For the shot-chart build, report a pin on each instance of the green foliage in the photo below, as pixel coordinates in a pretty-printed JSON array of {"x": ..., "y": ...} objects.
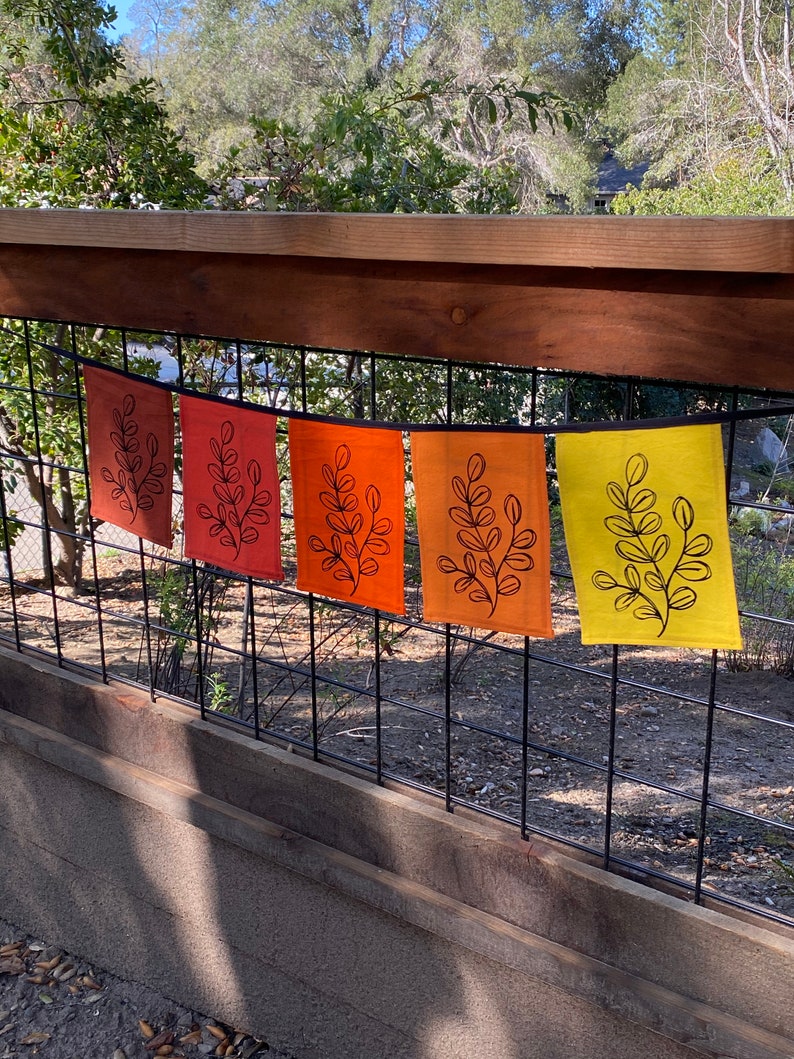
[
  {"x": 291, "y": 66},
  {"x": 71, "y": 135},
  {"x": 220, "y": 693},
  {"x": 10, "y": 530},
  {"x": 733, "y": 188},
  {"x": 57, "y": 415},
  {"x": 340, "y": 384},
  {"x": 117, "y": 150},
  {"x": 51, "y": 427},
  {"x": 73, "y": 36},
  {"x": 709, "y": 105},
  {"x": 181, "y": 599},
  {"x": 171, "y": 589},
  {"x": 583, "y": 398},
  {"x": 665, "y": 29},
  {"x": 371, "y": 151},
  {"x": 764, "y": 585}
]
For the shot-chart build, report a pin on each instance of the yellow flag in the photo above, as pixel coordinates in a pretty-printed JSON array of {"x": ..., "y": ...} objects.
[{"x": 645, "y": 517}]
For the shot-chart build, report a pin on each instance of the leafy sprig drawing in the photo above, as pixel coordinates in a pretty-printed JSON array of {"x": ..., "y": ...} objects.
[
  {"x": 139, "y": 477},
  {"x": 649, "y": 577},
  {"x": 238, "y": 511},
  {"x": 356, "y": 538},
  {"x": 483, "y": 573}
]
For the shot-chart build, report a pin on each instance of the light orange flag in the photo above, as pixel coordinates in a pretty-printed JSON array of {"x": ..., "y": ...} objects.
[
  {"x": 130, "y": 453},
  {"x": 232, "y": 502},
  {"x": 348, "y": 486},
  {"x": 646, "y": 526},
  {"x": 483, "y": 517}
]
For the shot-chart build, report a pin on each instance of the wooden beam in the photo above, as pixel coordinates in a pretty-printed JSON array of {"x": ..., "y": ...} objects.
[
  {"x": 724, "y": 328},
  {"x": 690, "y": 244}
]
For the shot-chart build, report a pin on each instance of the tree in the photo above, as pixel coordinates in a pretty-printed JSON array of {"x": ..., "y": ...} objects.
[
  {"x": 154, "y": 20},
  {"x": 278, "y": 62},
  {"x": 72, "y": 133},
  {"x": 387, "y": 151},
  {"x": 712, "y": 92},
  {"x": 756, "y": 56}
]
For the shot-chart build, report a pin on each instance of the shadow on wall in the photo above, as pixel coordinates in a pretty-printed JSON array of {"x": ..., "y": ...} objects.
[{"x": 154, "y": 877}]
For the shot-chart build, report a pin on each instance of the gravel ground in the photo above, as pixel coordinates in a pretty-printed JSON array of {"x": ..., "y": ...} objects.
[{"x": 58, "y": 1006}]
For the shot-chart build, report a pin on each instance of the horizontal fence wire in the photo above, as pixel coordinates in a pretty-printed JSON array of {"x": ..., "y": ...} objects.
[{"x": 673, "y": 766}]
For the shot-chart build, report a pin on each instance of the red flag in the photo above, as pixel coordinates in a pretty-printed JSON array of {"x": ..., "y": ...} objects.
[
  {"x": 231, "y": 488},
  {"x": 130, "y": 453}
]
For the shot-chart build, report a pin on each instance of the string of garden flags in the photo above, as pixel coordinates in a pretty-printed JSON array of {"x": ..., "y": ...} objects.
[
  {"x": 644, "y": 508},
  {"x": 644, "y": 511}
]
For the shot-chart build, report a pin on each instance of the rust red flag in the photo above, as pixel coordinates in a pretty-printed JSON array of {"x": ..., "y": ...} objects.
[{"x": 130, "y": 453}]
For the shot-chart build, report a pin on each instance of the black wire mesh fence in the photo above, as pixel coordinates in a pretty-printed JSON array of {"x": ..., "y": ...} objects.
[{"x": 670, "y": 764}]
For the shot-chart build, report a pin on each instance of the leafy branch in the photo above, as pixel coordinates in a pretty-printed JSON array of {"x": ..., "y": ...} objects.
[
  {"x": 235, "y": 519},
  {"x": 134, "y": 484},
  {"x": 482, "y": 574},
  {"x": 356, "y": 538},
  {"x": 643, "y": 544}
]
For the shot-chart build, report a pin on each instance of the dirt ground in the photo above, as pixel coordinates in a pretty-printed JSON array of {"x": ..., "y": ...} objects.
[{"x": 55, "y": 1005}]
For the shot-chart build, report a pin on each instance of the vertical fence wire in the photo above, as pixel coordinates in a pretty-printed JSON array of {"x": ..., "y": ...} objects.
[
  {"x": 248, "y": 616},
  {"x": 147, "y": 624},
  {"x": 702, "y": 830},
  {"x": 628, "y": 406},
  {"x": 81, "y": 413},
  {"x": 43, "y": 498},
  {"x": 610, "y": 785},
  {"x": 315, "y": 732},
  {"x": 448, "y": 646},
  {"x": 198, "y": 620},
  {"x": 524, "y": 735},
  {"x": 448, "y": 717},
  {"x": 373, "y": 398},
  {"x": 704, "y": 792},
  {"x": 526, "y": 654},
  {"x": 9, "y": 560}
]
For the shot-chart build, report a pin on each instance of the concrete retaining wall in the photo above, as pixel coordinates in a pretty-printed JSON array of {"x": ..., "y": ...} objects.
[{"x": 341, "y": 919}]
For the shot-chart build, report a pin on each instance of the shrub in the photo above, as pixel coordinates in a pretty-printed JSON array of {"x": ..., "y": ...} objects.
[{"x": 765, "y": 587}]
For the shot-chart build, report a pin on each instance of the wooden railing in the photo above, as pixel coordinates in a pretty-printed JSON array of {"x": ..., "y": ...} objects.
[{"x": 691, "y": 299}]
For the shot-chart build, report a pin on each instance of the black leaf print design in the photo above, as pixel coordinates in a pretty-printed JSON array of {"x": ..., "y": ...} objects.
[
  {"x": 651, "y": 591},
  {"x": 356, "y": 538},
  {"x": 482, "y": 573},
  {"x": 241, "y": 506},
  {"x": 138, "y": 476}
]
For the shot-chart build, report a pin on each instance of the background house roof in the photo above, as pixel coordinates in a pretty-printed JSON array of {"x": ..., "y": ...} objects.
[{"x": 613, "y": 177}]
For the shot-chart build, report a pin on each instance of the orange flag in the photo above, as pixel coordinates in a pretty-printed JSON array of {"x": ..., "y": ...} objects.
[
  {"x": 130, "y": 453},
  {"x": 482, "y": 511},
  {"x": 232, "y": 498},
  {"x": 349, "y": 501}
]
